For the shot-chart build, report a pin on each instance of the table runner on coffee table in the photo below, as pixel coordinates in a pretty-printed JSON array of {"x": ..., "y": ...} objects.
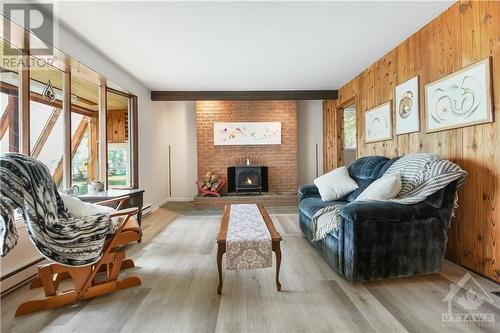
[{"x": 248, "y": 243}]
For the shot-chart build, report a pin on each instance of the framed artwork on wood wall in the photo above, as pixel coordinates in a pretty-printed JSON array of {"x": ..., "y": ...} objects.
[
  {"x": 460, "y": 99},
  {"x": 407, "y": 107},
  {"x": 378, "y": 123},
  {"x": 248, "y": 133}
]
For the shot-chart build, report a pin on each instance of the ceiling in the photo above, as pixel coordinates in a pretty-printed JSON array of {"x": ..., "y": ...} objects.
[{"x": 246, "y": 45}]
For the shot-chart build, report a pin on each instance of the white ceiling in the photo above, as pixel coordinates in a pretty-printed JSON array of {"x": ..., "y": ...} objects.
[{"x": 246, "y": 45}]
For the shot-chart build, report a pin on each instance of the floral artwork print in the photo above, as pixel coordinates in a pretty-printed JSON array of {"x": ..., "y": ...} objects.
[{"x": 251, "y": 133}]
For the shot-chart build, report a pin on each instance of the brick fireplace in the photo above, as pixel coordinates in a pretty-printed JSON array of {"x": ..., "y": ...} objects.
[{"x": 281, "y": 160}]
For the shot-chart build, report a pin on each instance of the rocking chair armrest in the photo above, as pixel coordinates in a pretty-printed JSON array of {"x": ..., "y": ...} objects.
[
  {"x": 108, "y": 202},
  {"x": 127, "y": 211}
]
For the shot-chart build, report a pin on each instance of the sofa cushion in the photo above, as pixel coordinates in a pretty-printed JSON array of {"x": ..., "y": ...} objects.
[
  {"x": 386, "y": 166},
  {"x": 436, "y": 199},
  {"x": 309, "y": 206},
  {"x": 376, "y": 211},
  {"x": 307, "y": 191},
  {"x": 367, "y": 167}
]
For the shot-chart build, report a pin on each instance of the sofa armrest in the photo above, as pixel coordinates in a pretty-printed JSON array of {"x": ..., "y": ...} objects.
[
  {"x": 380, "y": 239},
  {"x": 308, "y": 191},
  {"x": 387, "y": 211}
]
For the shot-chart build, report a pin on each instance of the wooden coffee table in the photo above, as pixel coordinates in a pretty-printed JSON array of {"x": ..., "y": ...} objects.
[{"x": 221, "y": 243}]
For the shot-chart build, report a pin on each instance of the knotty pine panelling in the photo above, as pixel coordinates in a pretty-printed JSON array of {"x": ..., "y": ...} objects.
[
  {"x": 329, "y": 135},
  {"x": 465, "y": 33}
]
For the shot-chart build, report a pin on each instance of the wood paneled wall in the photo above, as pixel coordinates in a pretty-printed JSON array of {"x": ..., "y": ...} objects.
[
  {"x": 465, "y": 33},
  {"x": 330, "y": 133},
  {"x": 117, "y": 122}
]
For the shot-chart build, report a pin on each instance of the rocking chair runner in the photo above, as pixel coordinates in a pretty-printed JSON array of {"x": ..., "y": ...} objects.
[{"x": 86, "y": 285}]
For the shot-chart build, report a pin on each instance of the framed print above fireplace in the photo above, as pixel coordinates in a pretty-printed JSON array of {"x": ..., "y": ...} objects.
[
  {"x": 248, "y": 133},
  {"x": 460, "y": 99}
]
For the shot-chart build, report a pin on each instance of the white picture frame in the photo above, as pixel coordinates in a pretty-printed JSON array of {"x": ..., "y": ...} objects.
[
  {"x": 247, "y": 133},
  {"x": 407, "y": 107},
  {"x": 378, "y": 123},
  {"x": 460, "y": 99}
]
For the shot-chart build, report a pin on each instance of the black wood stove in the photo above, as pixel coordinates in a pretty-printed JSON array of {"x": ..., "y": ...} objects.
[{"x": 247, "y": 179}]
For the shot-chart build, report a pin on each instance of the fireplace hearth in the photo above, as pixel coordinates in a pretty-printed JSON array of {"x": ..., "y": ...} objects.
[{"x": 247, "y": 179}]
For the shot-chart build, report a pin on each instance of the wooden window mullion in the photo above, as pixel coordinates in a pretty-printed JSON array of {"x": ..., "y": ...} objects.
[
  {"x": 66, "y": 113},
  {"x": 24, "y": 98},
  {"x": 103, "y": 137}
]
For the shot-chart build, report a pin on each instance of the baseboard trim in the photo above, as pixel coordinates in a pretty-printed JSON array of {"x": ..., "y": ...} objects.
[
  {"x": 180, "y": 199},
  {"x": 17, "y": 285},
  {"x": 151, "y": 208},
  {"x": 20, "y": 269},
  {"x": 23, "y": 276}
]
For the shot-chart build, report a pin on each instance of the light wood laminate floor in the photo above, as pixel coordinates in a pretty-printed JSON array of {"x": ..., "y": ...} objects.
[{"x": 176, "y": 262}]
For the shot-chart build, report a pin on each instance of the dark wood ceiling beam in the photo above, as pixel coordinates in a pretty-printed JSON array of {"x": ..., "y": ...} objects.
[{"x": 243, "y": 95}]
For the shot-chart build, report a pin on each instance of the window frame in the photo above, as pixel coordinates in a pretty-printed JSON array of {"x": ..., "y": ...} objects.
[
  {"x": 132, "y": 137},
  {"x": 69, "y": 67}
]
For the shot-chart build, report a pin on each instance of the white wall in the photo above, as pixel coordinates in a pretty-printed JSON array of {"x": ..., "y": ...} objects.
[
  {"x": 309, "y": 133},
  {"x": 152, "y": 125},
  {"x": 181, "y": 136}
]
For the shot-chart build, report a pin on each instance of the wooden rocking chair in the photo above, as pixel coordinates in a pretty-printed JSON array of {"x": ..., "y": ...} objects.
[{"x": 86, "y": 284}]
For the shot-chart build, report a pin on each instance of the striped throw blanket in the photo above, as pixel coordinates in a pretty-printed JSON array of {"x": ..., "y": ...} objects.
[
  {"x": 422, "y": 174},
  {"x": 27, "y": 185}
]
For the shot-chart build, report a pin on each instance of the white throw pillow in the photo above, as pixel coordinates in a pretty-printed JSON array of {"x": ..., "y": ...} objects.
[
  {"x": 384, "y": 188},
  {"x": 78, "y": 208},
  {"x": 335, "y": 184}
]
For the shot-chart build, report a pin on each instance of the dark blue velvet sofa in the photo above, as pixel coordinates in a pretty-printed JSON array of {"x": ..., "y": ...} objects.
[{"x": 379, "y": 240}]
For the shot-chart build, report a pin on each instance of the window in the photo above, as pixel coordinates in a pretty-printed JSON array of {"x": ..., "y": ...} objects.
[
  {"x": 46, "y": 121},
  {"x": 350, "y": 128},
  {"x": 9, "y": 103},
  {"x": 44, "y": 125},
  {"x": 118, "y": 140},
  {"x": 84, "y": 133}
]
